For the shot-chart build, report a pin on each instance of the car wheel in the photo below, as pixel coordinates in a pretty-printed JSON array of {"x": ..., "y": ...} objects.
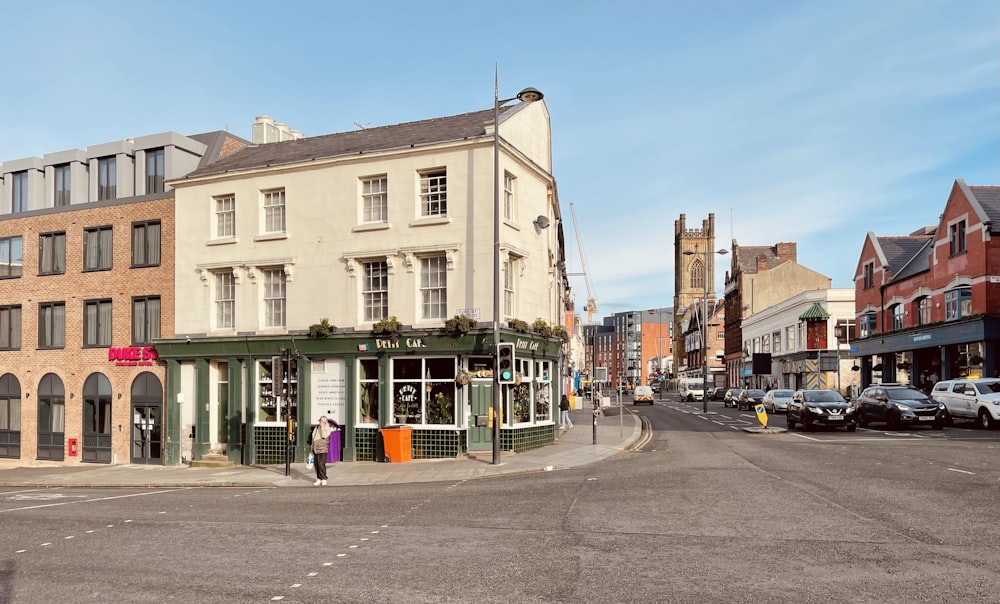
[
  {"x": 852, "y": 427},
  {"x": 938, "y": 425},
  {"x": 948, "y": 419},
  {"x": 806, "y": 426},
  {"x": 862, "y": 421},
  {"x": 790, "y": 422},
  {"x": 986, "y": 421},
  {"x": 891, "y": 423}
]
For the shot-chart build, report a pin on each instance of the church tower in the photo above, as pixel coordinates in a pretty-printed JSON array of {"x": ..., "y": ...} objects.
[{"x": 691, "y": 273}]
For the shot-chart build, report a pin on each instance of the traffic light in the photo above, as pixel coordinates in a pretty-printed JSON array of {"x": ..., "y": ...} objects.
[{"x": 505, "y": 363}]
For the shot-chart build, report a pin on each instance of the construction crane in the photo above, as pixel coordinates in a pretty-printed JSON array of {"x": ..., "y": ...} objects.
[{"x": 591, "y": 306}]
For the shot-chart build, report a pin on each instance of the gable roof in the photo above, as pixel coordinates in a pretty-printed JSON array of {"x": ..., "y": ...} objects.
[
  {"x": 988, "y": 198},
  {"x": 355, "y": 142},
  {"x": 905, "y": 252}
]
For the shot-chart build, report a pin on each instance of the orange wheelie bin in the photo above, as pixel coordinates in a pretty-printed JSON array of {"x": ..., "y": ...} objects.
[{"x": 398, "y": 443}]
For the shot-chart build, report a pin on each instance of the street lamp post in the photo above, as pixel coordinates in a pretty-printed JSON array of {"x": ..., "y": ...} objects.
[
  {"x": 528, "y": 95},
  {"x": 704, "y": 324}
]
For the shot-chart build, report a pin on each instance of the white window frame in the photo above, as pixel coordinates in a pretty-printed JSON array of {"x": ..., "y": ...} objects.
[
  {"x": 509, "y": 196},
  {"x": 375, "y": 290},
  {"x": 509, "y": 287},
  {"x": 273, "y": 211},
  {"x": 897, "y": 316},
  {"x": 434, "y": 193},
  {"x": 274, "y": 294},
  {"x": 224, "y": 299},
  {"x": 375, "y": 199},
  {"x": 224, "y": 216},
  {"x": 433, "y": 287}
]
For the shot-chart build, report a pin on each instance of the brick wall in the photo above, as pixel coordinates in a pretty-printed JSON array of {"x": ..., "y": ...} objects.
[{"x": 74, "y": 363}]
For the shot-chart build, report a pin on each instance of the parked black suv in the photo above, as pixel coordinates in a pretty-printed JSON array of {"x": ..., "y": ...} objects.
[
  {"x": 897, "y": 406},
  {"x": 820, "y": 407}
]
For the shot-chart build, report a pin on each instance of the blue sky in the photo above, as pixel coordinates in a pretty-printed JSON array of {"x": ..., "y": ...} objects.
[{"x": 791, "y": 120}]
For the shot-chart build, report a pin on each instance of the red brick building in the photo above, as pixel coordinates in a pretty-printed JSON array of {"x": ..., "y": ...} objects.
[{"x": 928, "y": 303}]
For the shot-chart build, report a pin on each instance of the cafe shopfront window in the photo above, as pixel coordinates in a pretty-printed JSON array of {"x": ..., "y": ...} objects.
[
  {"x": 529, "y": 399},
  {"x": 424, "y": 391}
]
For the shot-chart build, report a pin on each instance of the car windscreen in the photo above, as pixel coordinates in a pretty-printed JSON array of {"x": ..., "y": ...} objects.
[
  {"x": 755, "y": 393},
  {"x": 822, "y": 396},
  {"x": 781, "y": 393},
  {"x": 905, "y": 394}
]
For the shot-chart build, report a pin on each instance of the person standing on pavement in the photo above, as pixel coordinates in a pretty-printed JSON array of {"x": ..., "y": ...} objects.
[
  {"x": 564, "y": 412},
  {"x": 319, "y": 442}
]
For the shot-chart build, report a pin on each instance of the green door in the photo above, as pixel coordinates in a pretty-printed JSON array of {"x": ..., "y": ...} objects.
[{"x": 480, "y": 434}]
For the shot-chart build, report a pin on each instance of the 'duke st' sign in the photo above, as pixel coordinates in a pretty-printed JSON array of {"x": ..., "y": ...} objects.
[{"x": 131, "y": 356}]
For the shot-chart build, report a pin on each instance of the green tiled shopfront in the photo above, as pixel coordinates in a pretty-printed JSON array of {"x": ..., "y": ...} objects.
[{"x": 243, "y": 390}]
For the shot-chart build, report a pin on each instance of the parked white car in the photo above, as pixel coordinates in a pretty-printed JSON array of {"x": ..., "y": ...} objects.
[{"x": 977, "y": 399}]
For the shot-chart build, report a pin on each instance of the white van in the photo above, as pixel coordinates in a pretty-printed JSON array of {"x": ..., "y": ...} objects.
[{"x": 691, "y": 389}]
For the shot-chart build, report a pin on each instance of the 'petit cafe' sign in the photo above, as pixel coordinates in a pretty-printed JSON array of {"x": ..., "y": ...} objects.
[{"x": 132, "y": 356}]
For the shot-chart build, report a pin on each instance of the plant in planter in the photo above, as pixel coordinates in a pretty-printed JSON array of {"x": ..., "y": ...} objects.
[
  {"x": 462, "y": 378},
  {"x": 387, "y": 327},
  {"x": 459, "y": 325},
  {"x": 519, "y": 325},
  {"x": 323, "y": 329},
  {"x": 541, "y": 327},
  {"x": 560, "y": 332}
]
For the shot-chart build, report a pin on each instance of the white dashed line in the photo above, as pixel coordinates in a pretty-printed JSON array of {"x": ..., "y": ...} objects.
[{"x": 961, "y": 471}]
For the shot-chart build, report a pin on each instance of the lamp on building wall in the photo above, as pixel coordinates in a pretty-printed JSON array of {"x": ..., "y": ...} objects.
[
  {"x": 704, "y": 323},
  {"x": 528, "y": 95}
]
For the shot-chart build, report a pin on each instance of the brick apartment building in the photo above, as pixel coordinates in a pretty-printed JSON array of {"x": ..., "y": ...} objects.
[
  {"x": 86, "y": 287},
  {"x": 928, "y": 303}
]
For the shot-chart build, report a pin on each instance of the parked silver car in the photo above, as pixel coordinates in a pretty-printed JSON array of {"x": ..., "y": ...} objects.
[{"x": 777, "y": 400}]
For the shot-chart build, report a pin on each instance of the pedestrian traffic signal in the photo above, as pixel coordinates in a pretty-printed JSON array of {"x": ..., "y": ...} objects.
[{"x": 505, "y": 363}]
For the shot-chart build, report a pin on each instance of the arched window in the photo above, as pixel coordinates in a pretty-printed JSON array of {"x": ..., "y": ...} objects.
[
  {"x": 698, "y": 274},
  {"x": 51, "y": 417},
  {"x": 97, "y": 419},
  {"x": 10, "y": 416}
]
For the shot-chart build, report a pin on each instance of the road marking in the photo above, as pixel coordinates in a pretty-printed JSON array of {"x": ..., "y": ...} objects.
[
  {"x": 961, "y": 471},
  {"x": 49, "y": 505}
]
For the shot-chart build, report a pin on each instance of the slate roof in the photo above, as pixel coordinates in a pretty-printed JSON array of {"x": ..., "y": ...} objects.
[
  {"x": 746, "y": 257},
  {"x": 906, "y": 255},
  {"x": 215, "y": 141},
  {"x": 989, "y": 199},
  {"x": 367, "y": 140}
]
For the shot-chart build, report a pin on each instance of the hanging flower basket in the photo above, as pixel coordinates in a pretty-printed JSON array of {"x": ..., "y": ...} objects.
[{"x": 463, "y": 378}]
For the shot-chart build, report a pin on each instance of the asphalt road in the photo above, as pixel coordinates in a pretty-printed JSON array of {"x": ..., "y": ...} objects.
[{"x": 704, "y": 512}]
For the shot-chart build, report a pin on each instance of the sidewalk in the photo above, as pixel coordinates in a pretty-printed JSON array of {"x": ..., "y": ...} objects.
[{"x": 574, "y": 447}]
